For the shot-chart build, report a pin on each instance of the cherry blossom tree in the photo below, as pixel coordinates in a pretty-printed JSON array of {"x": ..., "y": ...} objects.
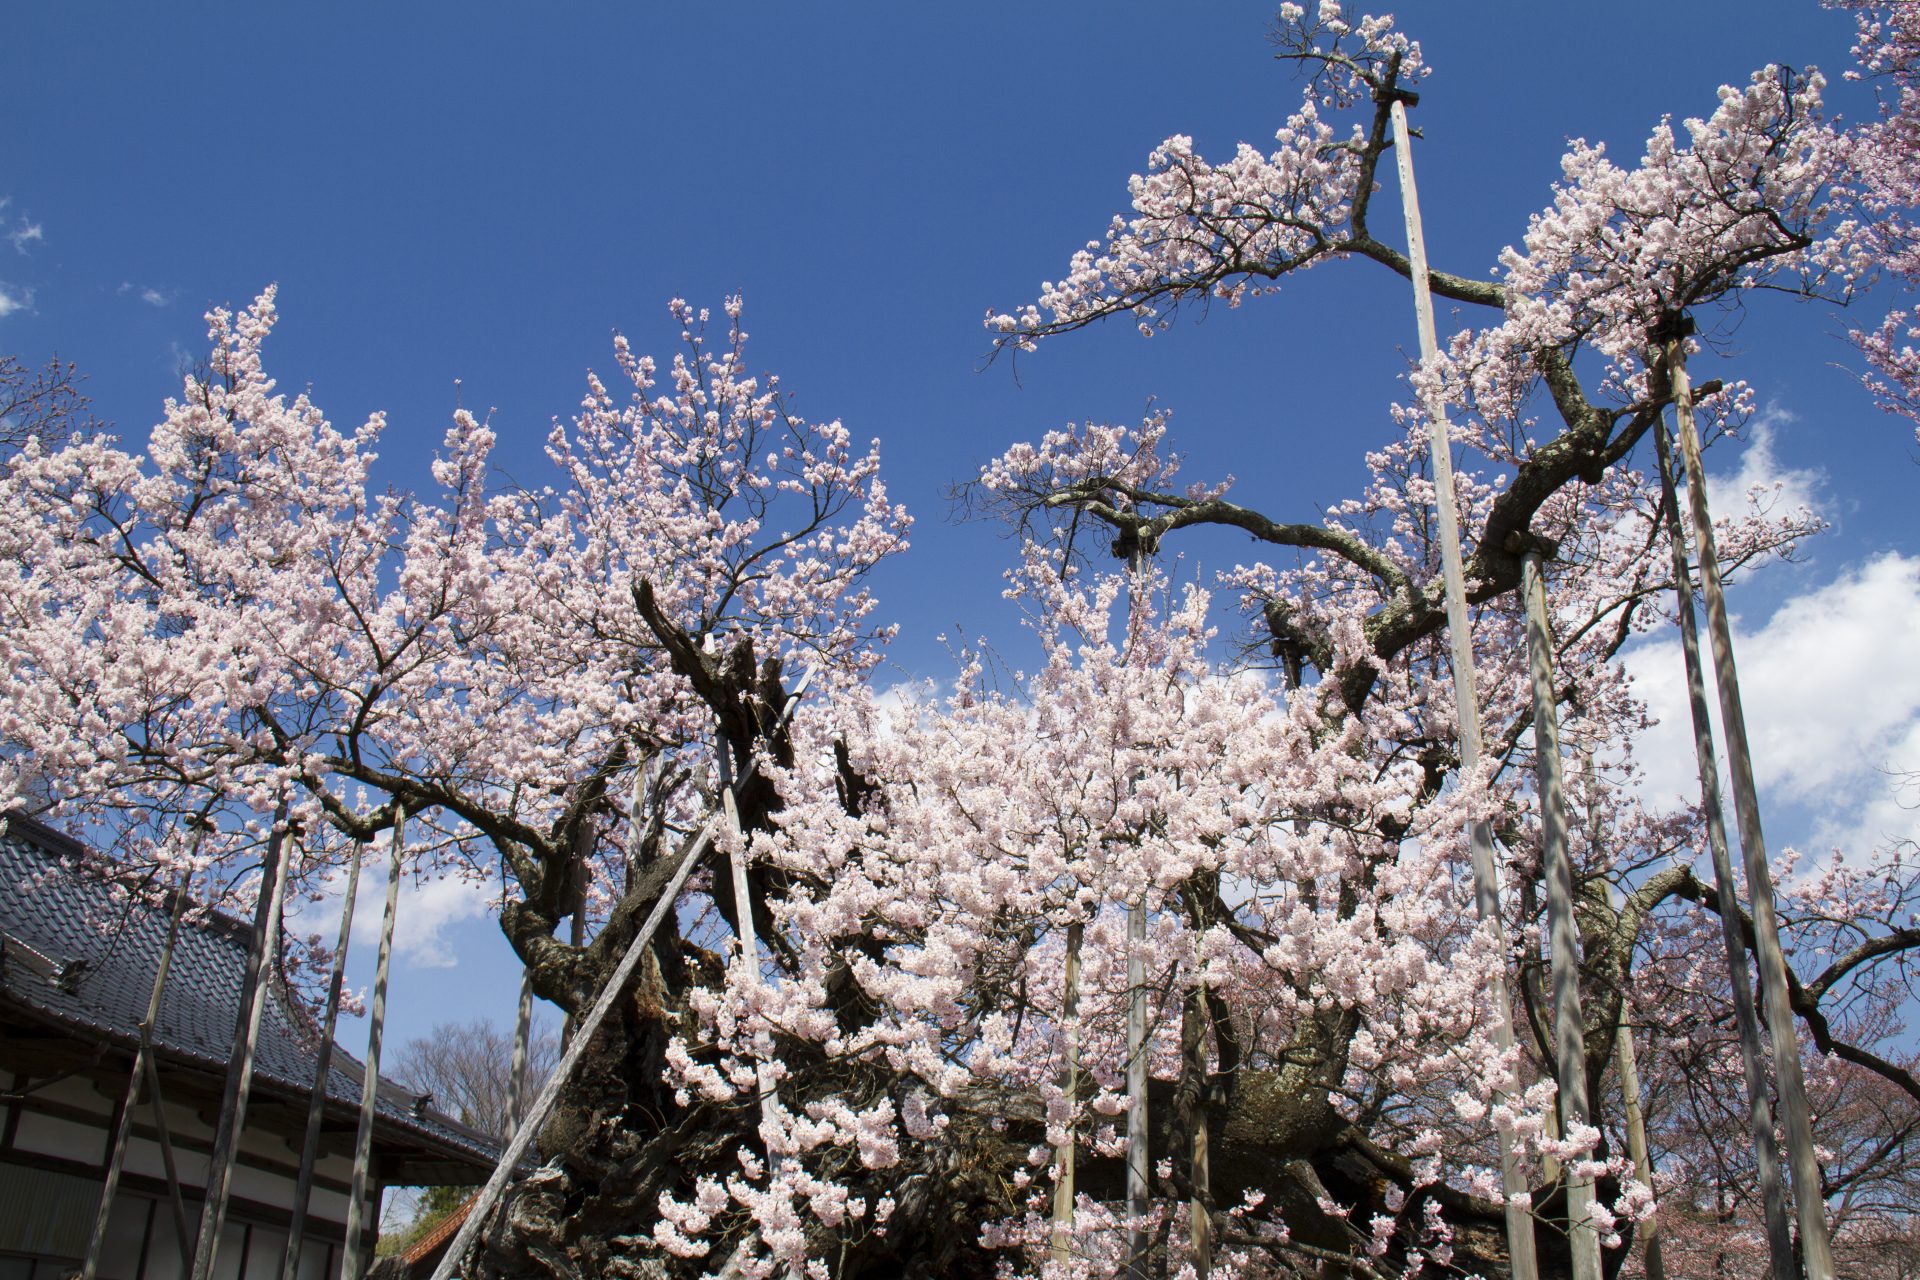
[{"x": 553, "y": 686}]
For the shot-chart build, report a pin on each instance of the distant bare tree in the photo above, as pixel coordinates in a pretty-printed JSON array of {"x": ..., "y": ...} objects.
[
  {"x": 44, "y": 404},
  {"x": 466, "y": 1066}
]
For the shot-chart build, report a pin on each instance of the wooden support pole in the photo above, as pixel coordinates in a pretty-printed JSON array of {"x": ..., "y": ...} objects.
[
  {"x": 175, "y": 1199},
  {"x": 1563, "y": 959},
  {"x": 353, "y": 1261},
  {"x": 517, "y": 1073},
  {"x": 1773, "y": 1192},
  {"x": 1486, "y": 876},
  {"x": 323, "y": 1070},
  {"x": 1652, "y": 1257},
  {"x": 246, "y": 1038},
  {"x": 1139, "y": 1163},
  {"x": 142, "y": 1058},
  {"x": 1193, "y": 1035},
  {"x": 577, "y": 927},
  {"x": 1625, "y": 1060},
  {"x": 1063, "y": 1155},
  {"x": 1139, "y": 1235},
  {"x": 489, "y": 1198},
  {"x": 1816, "y": 1249}
]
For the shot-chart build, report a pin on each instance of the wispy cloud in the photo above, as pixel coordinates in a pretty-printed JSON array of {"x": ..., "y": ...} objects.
[
  {"x": 155, "y": 298},
  {"x": 12, "y": 300},
  {"x": 25, "y": 234}
]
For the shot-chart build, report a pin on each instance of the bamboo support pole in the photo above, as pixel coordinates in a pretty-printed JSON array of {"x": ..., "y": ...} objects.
[
  {"x": 142, "y": 1057},
  {"x": 489, "y": 1198},
  {"x": 1773, "y": 1191},
  {"x": 1816, "y": 1250},
  {"x": 322, "y": 1073},
  {"x": 1064, "y": 1154},
  {"x": 353, "y": 1255},
  {"x": 246, "y": 1038},
  {"x": 1563, "y": 961},
  {"x": 1486, "y": 876}
]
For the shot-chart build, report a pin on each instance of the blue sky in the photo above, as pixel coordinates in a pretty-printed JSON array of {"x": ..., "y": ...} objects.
[{"x": 483, "y": 193}]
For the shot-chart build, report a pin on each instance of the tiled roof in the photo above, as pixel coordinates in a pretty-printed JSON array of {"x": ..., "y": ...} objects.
[
  {"x": 443, "y": 1231},
  {"x": 76, "y": 951}
]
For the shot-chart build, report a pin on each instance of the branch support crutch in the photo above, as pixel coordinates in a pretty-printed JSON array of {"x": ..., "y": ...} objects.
[
  {"x": 1569, "y": 1022},
  {"x": 1773, "y": 1191},
  {"x": 246, "y": 1038},
  {"x": 1486, "y": 875},
  {"x": 322, "y": 1073},
  {"x": 142, "y": 1057},
  {"x": 1816, "y": 1250}
]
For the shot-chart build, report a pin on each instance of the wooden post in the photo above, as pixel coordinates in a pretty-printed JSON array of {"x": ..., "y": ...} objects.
[
  {"x": 322, "y": 1073},
  {"x": 1773, "y": 1193},
  {"x": 1139, "y": 1165},
  {"x": 577, "y": 927},
  {"x": 1139, "y": 1237},
  {"x": 517, "y": 1073},
  {"x": 142, "y": 1057},
  {"x": 246, "y": 1038},
  {"x": 1569, "y": 1021},
  {"x": 1486, "y": 876},
  {"x": 1625, "y": 1059},
  {"x": 489, "y": 1197},
  {"x": 1637, "y": 1148},
  {"x": 1063, "y": 1156},
  {"x": 175, "y": 1200},
  {"x": 1193, "y": 1035},
  {"x": 354, "y": 1258},
  {"x": 1816, "y": 1250}
]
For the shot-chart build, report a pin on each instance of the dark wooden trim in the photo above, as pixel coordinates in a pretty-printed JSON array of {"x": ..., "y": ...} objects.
[
  {"x": 156, "y": 1189},
  {"x": 14, "y": 1081},
  {"x": 181, "y": 1142}
]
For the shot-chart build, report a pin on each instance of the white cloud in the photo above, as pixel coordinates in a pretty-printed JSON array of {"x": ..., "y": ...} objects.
[
  {"x": 1831, "y": 694},
  {"x": 12, "y": 299},
  {"x": 23, "y": 235},
  {"x": 429, "y": 911},
  {"x": 155, "y": 298}
]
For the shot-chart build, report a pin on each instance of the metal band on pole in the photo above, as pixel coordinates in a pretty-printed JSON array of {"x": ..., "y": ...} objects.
[
  {"x": 1569, "y": 1021},
  {"x": 1486, "y": 876},
  {"x": 354, "y": 1260},
  {"x": 489, "y": 1198},
  {"x": 1773, "y": 1192},
  {"x": 322, "y": 1072},
  {"x": 1816, "y": 1249},
  {"x": 246, "y": 1038}
]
